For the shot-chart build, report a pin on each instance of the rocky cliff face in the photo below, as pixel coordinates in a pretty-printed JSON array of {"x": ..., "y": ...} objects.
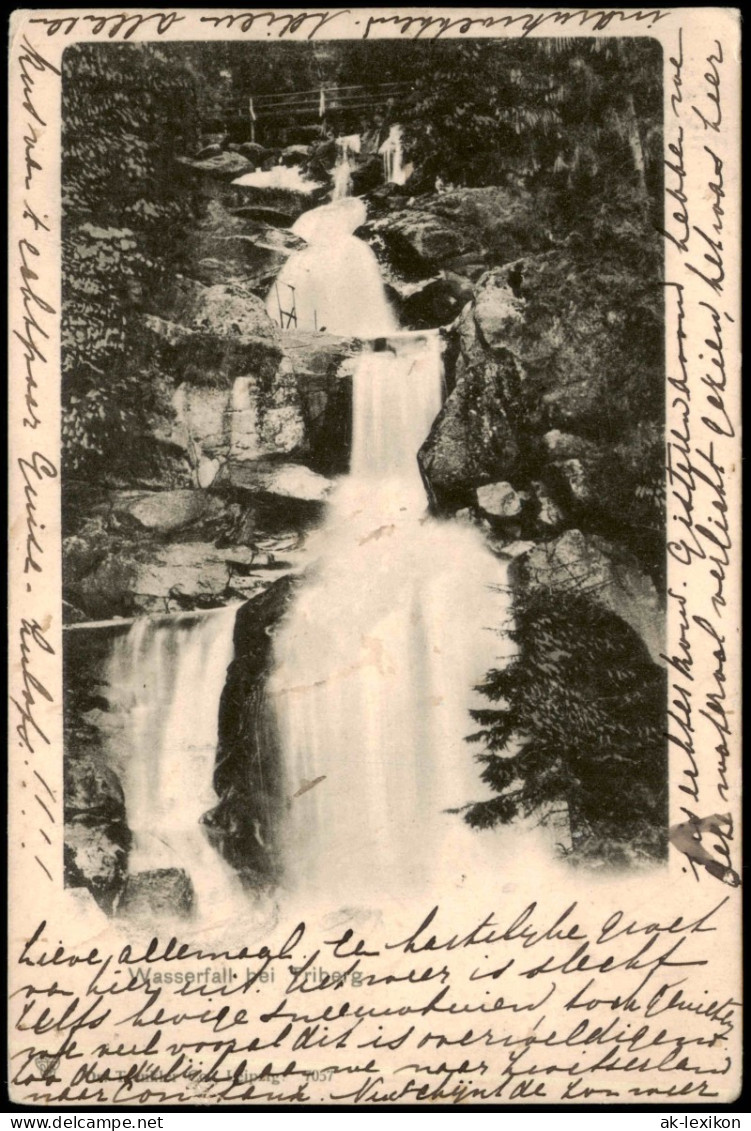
[
  {"x": 549, "y": 440},
  {"x": 249, "y": 779}
]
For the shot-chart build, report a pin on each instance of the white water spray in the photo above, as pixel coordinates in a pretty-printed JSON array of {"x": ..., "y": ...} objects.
[
  {"x": 167, "y": 677},
  {"x": 290, "y": 179},
  {"x": 392, "y": 152},
  {"x": 335, "y": 283},
  {"x": 347, "y": 149},
  {"x": 377, "y": 661}
]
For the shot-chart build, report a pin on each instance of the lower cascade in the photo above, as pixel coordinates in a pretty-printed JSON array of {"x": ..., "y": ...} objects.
[
  {"x": 375, "y": 664},
  {"x": 398, "y": 620},
  {"x": 167, "y": 676}
]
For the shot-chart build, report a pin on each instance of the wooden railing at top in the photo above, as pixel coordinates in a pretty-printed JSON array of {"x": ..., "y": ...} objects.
[{"x": 308, "y": 103}]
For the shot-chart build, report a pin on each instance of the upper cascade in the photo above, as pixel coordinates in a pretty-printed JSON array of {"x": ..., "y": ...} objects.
[
  {"x": 334, "y": 284},
  {"x": 347, "y": 149},
  {"x": 394, "y": 170}
]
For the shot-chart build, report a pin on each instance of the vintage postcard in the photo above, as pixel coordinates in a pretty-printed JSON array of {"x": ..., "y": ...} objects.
[{"x": 375, "y": 572}]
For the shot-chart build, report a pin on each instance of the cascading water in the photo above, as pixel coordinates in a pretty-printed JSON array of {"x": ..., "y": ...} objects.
[
  {"x": 347, "y": 149},
  {"x": 377, "y": 660},
  {"x": 334, "y": 284},
  {"x": 392, "y": 153},
  {"x": 167, "y": 677}
]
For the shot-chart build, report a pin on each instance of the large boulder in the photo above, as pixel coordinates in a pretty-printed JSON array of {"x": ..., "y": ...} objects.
[
  {"x": 218, "y": 163},
  {"x": 465, "y": 229},
  {"x": 255, "y": 153},
  {"x": 287, "y": 480},
  {"x": 419, "y": 241},
  {"x": 473, "y": 440},
  {"x": 499, "y": 500},
  {"x": 165, "y": 511},
  {"x": 97, "y": 839},
  {"x": 552, "y": 396},
  {"x": 209, "y": 335},
  {"x": 239, "y": 244},
  {"x": 162, "y": 892},
  {"x": 608, "y": 573},
  {"x": 434, "y": 303},
  {"x": 497, "y": 311},
  {"x": 249, "y": 776}
]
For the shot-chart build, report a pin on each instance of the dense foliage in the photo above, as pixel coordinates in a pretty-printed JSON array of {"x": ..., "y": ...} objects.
[
  {"x": 576, "y": 120},
  {"x": 578, "y": 726},
  {"x": 584, "y": 115},
  {"x": 127, "y": 111}
]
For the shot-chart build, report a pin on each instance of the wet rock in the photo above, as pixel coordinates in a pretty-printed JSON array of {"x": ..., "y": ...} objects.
[
  {"x": 472, "y": 441},
  {"x": 97, "y": 839},
  {"x": 497, "y": 312},
  {"x": 208, "y": 151},
  {"x": 499, "y": 500},
  {"x": 517, "y": 548},
  {"x": 164, "y": 892},
  {"x": 436, "y": 303},
  {"x": 550, "y": 516},
  {"x": 367, "y": 175},
  {"x": 292, "y": 202},
  {"x": 91, "y": 788},
  {"x": 223, "y": 165},
  {"x": 248, "y": 778},
  {"x": 607, "y": 573},
  {"x": 208, "y": 335},
  {"x": 267, "y": 216},
  {"x": 293, "y": 155},
  {"x": 95, "y": 857},
  {"x": 253, "y": 151},
  {"x": 293, "y": 481},
  {"x": 167, "y": 511}
]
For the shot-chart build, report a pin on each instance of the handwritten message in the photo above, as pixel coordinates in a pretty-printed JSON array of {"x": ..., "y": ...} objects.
[
  {"x": 522, "y": 1003},
  {"x": 602, "y": 994},
  {"x": 32, "y": 653},
  {"x": 702, "y": 397}
]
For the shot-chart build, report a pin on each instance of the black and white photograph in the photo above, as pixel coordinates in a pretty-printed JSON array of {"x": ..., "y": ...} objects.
[
  {"x": 388, "y": 518},
  {"x": 363, "y": 402}
]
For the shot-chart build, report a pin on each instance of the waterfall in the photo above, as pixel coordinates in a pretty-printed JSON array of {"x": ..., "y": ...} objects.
[
  {"x": 166, "y": 677},
  {"x": 289, "y": 179},
  {"x": 377, "y": 661},
  {"x": 335, "y": 283},
  {"x": 393, "y": 157},
  {"x": 347, "y": 148}
]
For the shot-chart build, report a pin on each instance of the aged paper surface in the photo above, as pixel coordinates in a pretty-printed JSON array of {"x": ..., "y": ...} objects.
[{"x": 259, "y": 259}]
